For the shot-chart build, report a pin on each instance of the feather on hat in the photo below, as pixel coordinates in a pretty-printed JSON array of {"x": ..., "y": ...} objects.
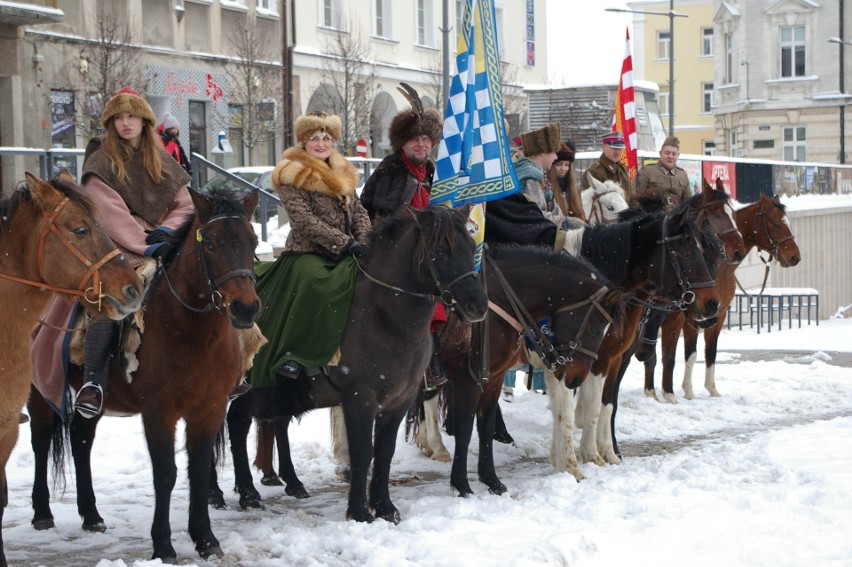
[{"x": 414, "y": 121}]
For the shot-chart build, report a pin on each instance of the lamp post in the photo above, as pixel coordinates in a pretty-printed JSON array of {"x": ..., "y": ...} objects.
[
  {"x": 841, "y": 43},
  {"x": 671, "y": 15}
]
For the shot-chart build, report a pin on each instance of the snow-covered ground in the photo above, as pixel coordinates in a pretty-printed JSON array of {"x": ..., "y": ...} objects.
[{"x": 760, "y": 476}]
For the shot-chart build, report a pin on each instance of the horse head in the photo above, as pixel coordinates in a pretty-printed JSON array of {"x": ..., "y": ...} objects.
[
  {"x": 714, "y": 207},
  {"x": 226, "y": 242},
  {"x": 773, "y": 231},
  {"x": 602, "y": 201},
  {"x": 75, "y": 257}
]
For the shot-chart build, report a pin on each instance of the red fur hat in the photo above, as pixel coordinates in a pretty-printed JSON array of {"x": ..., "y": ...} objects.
[{"x": 128, "y": 100}]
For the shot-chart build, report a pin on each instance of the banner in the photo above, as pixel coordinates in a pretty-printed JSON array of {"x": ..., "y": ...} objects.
[{"x": 625, "y": 112}]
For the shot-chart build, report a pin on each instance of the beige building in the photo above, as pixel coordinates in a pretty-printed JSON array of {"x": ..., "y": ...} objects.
[
  {"x": 183, "y": 54},
  {"x": 694, "y": 49}
]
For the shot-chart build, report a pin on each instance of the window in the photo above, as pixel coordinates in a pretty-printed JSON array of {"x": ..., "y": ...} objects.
[
  {"x": 663, "y": 44},
  {"x": 664, "y": 104},
  {"x": 460, "y": 4},
  {"x": 794, "y": 143},
  {"x": 330, "y": 14},
  {"x": 235, "y": 132},
  {"x": 729, "y": 58},
  {"x": 707, "y": 42},
  {"x": 707, "y": 100},
  {"x": 709, "y": 147},
  {"x": 268, "y": 5},
  {"x": 793, "y": 51},
  {"x": 733, "y": 139},
  {"x": 425, "y": 23},
  {"x": 384, "y": 18}
]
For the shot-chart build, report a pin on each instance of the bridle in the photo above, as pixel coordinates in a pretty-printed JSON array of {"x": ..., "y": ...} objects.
[
  {"x": 216, "y": 300},
  {"x": 93, "y": 268},
  {"x": 597, "y": 208},
  {"x": 773, "y": 243},
  {"x": 553, "y": 356},
  {"x": 719, "y": 235}
]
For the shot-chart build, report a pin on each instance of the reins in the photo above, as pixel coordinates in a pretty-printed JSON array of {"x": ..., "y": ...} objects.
[{"x": 597, "y": 208}]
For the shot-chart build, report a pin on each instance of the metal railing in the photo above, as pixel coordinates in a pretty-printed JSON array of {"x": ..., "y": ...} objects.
[{"x": 46, "y": 158}]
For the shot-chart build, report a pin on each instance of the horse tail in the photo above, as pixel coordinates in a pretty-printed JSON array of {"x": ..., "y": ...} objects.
[
  {"x": 444, "y": 416},
  {"x": 414, "y": 417},
  {"x": 60, "y": 437},
  {"x": 265, "y": 446},
  {"x": 219, "y": 445}
]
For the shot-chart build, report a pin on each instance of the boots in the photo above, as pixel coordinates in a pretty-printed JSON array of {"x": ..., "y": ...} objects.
[
  {"x": 435, "y": 374},
  {"x": 96, "y": 353}
]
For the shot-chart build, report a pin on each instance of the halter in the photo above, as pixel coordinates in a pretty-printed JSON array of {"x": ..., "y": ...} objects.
[
  {"x": 93, "y": 272},
  {"x": 720, "y": 235},
  {"x": 553, "y": 356},
  {"x": 212, "y": 284},
  {"x": 597, "y": 208},
  {"x": 687, "y": 296},
  {"x": 774, "y": 244}
]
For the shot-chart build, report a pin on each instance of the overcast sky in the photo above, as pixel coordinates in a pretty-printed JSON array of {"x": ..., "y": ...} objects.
[{"x": 585, "y": 44}]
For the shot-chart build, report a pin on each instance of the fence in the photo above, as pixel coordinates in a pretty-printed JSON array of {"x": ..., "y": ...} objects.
[{"x": 767, "y": 308}]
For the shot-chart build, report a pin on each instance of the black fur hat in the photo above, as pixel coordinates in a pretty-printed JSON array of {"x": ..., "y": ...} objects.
[{"x": 414, "y": 121}]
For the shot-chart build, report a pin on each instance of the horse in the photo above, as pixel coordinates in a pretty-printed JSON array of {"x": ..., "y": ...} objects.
[
  {"x": 668, "y": 261},
  {"x": 411, "y": 262},
  {"x": 763, "y": 225},
  {"x": 51, "y": 242},
  {"x": 200, "y": 305},
  {"x": 602, "y": 201}
]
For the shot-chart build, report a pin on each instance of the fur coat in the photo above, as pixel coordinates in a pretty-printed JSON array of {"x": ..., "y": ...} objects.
[
  {"x": 391, "y": 186},
  {"x": 319, "y": 195}
]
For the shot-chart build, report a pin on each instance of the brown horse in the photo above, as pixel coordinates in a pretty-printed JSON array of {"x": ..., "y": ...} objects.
[
  {"x": 190, "y": 358},
  {"x": 50, "y": 242},
  {"x": 763, "y": 225}
]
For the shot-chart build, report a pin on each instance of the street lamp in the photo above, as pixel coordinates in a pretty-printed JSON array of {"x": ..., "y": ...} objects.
[
  {"x": 841, "y": 43},
  {"x": 672, "y": 15}
]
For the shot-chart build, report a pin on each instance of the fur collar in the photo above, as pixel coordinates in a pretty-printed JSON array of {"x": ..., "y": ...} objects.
[{"x": 298, "y": 168}]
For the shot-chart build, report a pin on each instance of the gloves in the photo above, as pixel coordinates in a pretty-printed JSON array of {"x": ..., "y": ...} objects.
[
  {"x": 160, "y": 250},
  {"x": 355, "y": 249},
  {"x": 159, "y": 234}
]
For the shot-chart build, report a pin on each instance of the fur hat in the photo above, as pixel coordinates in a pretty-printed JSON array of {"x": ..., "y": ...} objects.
[
  {"x": 317, "y": 122},
  {"x": 414, "y": 121},
  {"x": 566, "y": 151},
  {"x": 169, "y": 121},
  {"x": 542, "y": 141},
  {"x": 128, "y": 100},
  {"x": 673, "y": 142}
]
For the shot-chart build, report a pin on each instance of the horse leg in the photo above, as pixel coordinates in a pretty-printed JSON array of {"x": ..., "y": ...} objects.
[
  {"x": 485, "y": 421},
  {"x": 160, "y": 437},
  {"x": 82, "y": 438},
  {"x": 264, "y": 453},
  {"x": 387, "y": 426},
  {"x": 200, "y": 439},
  {"x": 671, "y": 333},
  {"x": 646, "y": 352},
  {"x": 8, "y": 438},
  {"x": 711, "y": 341},
  {"x": 690, "y": 348},
  {"x": 293, "y": 486},
  {"x": 465, "y": 398},
  {"x": 215, "y": 496},
  {"x": 239, "y": 419},
  {"x": 359, "y": 416},
  {"x": 43, "y": 423},
  {"x": 589, "y": 407},
  {"x": 561, "y": 402},
  {"x": 428, "y": 437},
  {"x": 606, "y": 442},
  {"x": 340, "y": 444}
]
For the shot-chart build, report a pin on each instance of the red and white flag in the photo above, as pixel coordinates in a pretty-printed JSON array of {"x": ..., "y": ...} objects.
[{"x": 625, "y": 111}]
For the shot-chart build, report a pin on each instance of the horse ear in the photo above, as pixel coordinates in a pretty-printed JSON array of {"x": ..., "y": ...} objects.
[
  {"x": 203, "y": 206},
  {"x": 250, "y": 200},
  {"x": 43, "y": 192},
  {"x": 464, "y": 210},
  {"x": 705, "y": 185},
  {"x": 66, "y": 177},
  {"x": 720, "y": 185}
]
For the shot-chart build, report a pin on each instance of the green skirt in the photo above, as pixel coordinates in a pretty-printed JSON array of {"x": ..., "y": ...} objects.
[{"x": 306, "y": 300}]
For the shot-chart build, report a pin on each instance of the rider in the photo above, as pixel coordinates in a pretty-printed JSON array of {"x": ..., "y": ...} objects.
[
  {"x": 305, "y": 289},
  {"x": 609, "y": 166},
  {"x": 405, "y": 178},
  {"x": 664, "y": 178},
  {"x": 563, "y": 182}
]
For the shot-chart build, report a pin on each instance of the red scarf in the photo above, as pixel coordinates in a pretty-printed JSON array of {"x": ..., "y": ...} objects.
[{"x": 421, "y": 195}]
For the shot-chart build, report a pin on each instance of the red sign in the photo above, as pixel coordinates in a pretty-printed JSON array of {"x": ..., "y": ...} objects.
[
  {"x": 714, "y": 170},
  {"x": 361, "y": 147}
]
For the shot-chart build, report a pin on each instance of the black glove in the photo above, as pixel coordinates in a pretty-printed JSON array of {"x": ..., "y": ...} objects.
[
  {"x": 355, "y": 249},
  {"x": 157, "y": 235},
  {"x": 160, "y": 250}
]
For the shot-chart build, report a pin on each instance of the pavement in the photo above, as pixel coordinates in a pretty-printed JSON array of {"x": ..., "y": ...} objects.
[{"x": 843, "y": 359}]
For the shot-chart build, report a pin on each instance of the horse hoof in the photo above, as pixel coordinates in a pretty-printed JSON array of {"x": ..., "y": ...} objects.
[
  {"x": 391, "y": 516},
  {"x": 498, "y": 488},
  {"x": 95, "y": 527},
  {"x": 44, "y": 524},
  {"x": 297, "y": 491},
  {"x": 271, "y": 480},
  {"x": 344, "y": 474},
  {"x": 360, "y": 515},
  {"x": 216, "y": 501},
  {"x": 208, "y": 549},
  {"x": 171, "y": 560},
  {"x": 464, "y": 493},
  {"x": 255, "y": 503}
]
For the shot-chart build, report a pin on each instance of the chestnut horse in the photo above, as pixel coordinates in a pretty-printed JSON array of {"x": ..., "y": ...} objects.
[
  {"x": 763, "y": 225},
  {"x": 50, "y": 243},
  {"x": 190, "y": 358}
]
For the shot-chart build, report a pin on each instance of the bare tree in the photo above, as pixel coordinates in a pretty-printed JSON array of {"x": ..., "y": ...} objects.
[
  {"x": 350, "y": 77},
  {"x": 255, "y": 83},
  {"x": 110, "y": 62}
]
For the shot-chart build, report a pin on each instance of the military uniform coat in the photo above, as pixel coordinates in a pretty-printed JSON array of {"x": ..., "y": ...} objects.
[
  {"x": 670, "y": 185},
  {"x": 605, "y": 169}
]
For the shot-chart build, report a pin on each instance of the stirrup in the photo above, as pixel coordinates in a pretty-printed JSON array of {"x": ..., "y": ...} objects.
[
  {"x": 290, "y": 369},
  {"x": 92, "y": 403},
  {"x": 242, "y": 388}
]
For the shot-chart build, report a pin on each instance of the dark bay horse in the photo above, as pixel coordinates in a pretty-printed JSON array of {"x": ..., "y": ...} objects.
[
  {"x": 763, "y": 225},
  {"x": 668, "y": 261},
  {"x": 190, "y": 358},
  {"x": 385, "y": 348},
  {"x": 50, "y": 243}
]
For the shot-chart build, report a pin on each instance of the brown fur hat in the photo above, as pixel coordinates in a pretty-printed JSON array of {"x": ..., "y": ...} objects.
[
  {"x": 128, "y": 100},
  {"x": 318, "y": 121},
  {"x": 414, "y": 121},
  {"x": 542, "y": 141}
]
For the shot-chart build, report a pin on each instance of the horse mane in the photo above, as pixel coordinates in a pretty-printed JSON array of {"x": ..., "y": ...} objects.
[
  {"x": 610, "y": 246},
  {"x": 225, "y": 202},
  {"x": 22, "y": 194},
  {"x": 527, "y": 254},
  {"x": 438, "y": 225}
]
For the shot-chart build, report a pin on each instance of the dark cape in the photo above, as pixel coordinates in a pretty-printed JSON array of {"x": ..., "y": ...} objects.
[
  {"x": 390, "y": 186},
  {"x": 516, "y": 220}
]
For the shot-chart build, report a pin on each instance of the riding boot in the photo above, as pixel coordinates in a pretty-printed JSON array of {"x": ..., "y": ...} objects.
[
  {"x": 96, "y": 362},
  {"x": 241, "y": 388},
  {"x": 435, "y": 374}
]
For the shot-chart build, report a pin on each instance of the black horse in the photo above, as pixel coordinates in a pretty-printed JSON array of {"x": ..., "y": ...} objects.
[{"x": 411, "y": 263}]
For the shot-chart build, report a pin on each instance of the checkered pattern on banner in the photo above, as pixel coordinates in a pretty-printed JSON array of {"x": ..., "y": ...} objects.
[{"x": 474, "y": 163}]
